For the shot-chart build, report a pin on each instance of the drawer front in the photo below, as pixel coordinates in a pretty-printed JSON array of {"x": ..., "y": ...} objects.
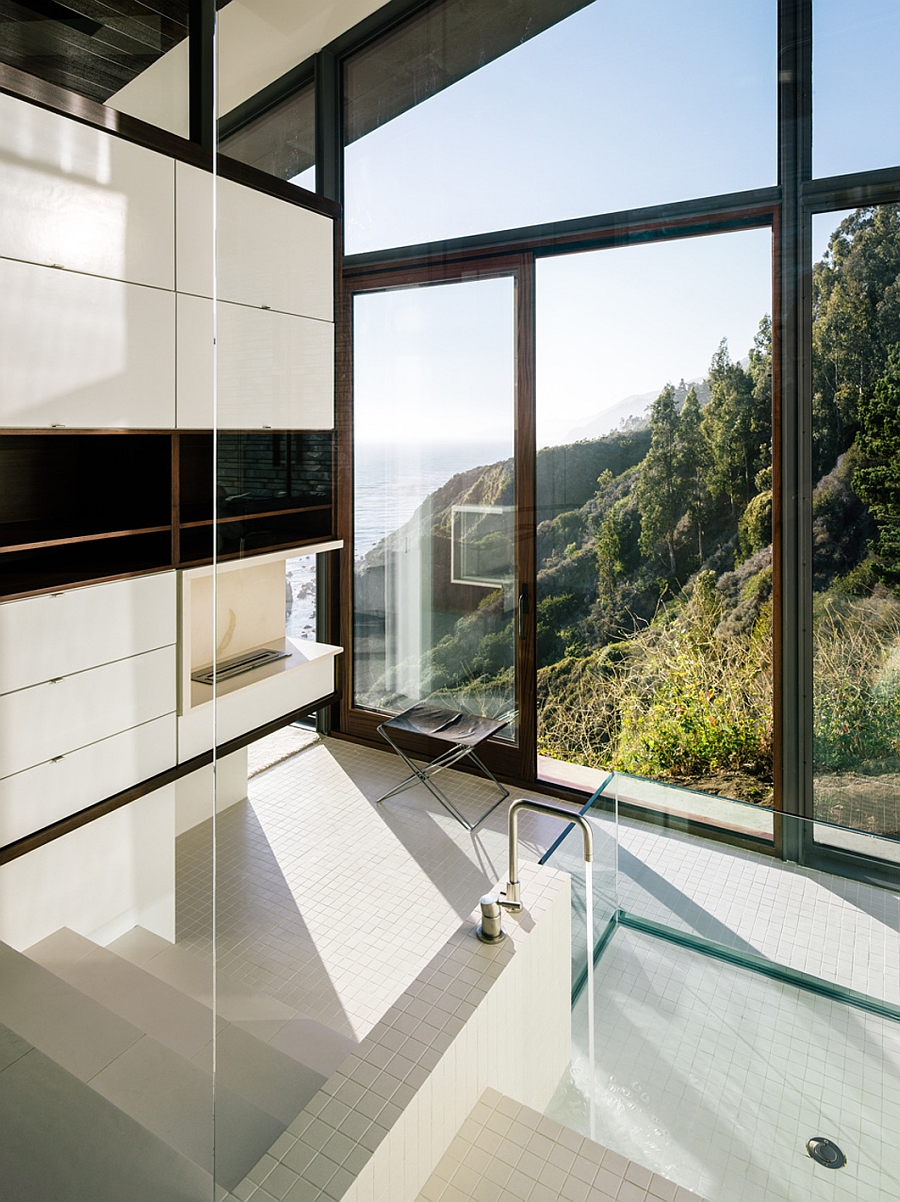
[
  {"x": 270, "y": 252},
  {"x": 76, "y": 350},
  {"x": 83, "y": 199},
  {"x": 42, "y": 638},
  {"x": 275, "y": 370},
  {"x": 33, "y": 799},
  {"x": 56, "y": 718}
]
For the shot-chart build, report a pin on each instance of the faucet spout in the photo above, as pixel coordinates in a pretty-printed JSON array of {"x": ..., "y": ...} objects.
[{"x": 513, "y": 898}]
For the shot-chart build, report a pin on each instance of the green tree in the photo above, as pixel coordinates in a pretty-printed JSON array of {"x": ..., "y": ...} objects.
[
  {"x": 856, "y": 320},
  {"x": 660, "y": 487},
  {"x": 609, "y": 561},
  {"x": 737, "y": 429},
  {"x": 693, "y": 464},
  {"x": 878, "y": 482}
]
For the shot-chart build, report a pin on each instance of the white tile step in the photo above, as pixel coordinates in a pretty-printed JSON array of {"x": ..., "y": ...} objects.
[
  {"x": 278, "y": 1083},
  {"x": 167, "y": 1094},
  {"x": 268, "y": 1019},
  {"x": 62, "y": 1142}
]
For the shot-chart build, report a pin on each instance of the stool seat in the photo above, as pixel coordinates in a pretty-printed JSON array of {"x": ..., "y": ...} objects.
[{"x": 463, "y": 732}]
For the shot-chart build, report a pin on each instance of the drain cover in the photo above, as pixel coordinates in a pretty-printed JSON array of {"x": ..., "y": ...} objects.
[{"x": 826, "y": 1152}]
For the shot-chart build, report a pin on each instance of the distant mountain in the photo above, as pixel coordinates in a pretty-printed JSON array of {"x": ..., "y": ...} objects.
[{"x": 632, "y": 411}]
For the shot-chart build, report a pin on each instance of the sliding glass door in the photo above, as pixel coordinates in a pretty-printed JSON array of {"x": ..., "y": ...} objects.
[{"x": 439, "y": 605}]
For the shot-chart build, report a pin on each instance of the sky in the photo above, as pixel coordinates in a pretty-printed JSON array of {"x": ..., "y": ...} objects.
[{"x": 693, "y": 114}]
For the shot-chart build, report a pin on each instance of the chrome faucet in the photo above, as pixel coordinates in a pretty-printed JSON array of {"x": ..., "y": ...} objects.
[
  {"x": 489, "y": 930},
  {"x": 512, "y": 899}
]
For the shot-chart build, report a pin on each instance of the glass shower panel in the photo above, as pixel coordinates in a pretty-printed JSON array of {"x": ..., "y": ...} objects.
[
  {"x": 106, "y": 999},
  {"x": 434, "y": 548}
]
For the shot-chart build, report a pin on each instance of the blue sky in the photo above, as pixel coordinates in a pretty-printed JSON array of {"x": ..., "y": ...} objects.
[{"x": 618, "y": 106}]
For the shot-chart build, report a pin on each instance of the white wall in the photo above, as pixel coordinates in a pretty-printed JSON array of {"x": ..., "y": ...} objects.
[
  {"x": 194, "y": 793},
  {"x": 101, "y": 880},
  {"x": 259, "y": 40}
]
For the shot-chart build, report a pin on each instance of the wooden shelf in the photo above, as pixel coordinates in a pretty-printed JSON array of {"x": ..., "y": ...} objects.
[
  {"x": 37, "y": 544},
  {"x": 243, "y": 517}
]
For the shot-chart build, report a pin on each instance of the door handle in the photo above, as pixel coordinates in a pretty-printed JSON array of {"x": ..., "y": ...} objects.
[{"x": 523, "y": 610}]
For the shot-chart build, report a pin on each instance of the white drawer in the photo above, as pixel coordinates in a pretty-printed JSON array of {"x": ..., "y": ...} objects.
[
  {"x": 270, "y": 252},
  {"x": 275, "y": 370},
  {"x": 77, "y": 350},
  {"x": 82, "y": 199},
  {"x": 42, "y": 638},
  {"x": 33, "y": 799},
  {"x": 53, "y": 719}
]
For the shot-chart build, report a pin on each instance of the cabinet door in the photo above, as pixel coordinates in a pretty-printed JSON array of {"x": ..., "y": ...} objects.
[
  {"x": 77, "y": 350},
  {"x": 56, "y": 718},
  {"x": 83, "y": 199},
  {"x": 55, "y": 789},
  {"x": 270, "y": 252},
  {"x": 42, "y": 638},
  {"x": 275, "y": 370}
]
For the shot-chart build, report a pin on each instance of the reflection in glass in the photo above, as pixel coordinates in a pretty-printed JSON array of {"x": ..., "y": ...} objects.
[
  {"x": 282, "y": 141},
  {"x": 434, "y": 490},
  {"x": 856, "y": 513},
  {"x": 654, "y": 510}
]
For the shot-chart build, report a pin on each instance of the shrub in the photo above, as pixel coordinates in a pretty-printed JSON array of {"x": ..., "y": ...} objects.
[{"x": 856, "y": 681}]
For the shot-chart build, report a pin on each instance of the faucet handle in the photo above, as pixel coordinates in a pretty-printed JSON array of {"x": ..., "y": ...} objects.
[
  {"x": 513, "y": 896},
  {"x": 490, "y": 930}
]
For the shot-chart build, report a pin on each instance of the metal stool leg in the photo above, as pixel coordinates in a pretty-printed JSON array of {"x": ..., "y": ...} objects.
[{"x": 446, "y": 760}]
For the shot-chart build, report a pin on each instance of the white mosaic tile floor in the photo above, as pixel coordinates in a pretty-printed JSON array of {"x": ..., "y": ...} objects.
[
  {"x": 330, "y": 902},
  {"x": 716, "y": 1077},
  {"x": 334, "y": 904},
  {"x": 841, "y": 930}
]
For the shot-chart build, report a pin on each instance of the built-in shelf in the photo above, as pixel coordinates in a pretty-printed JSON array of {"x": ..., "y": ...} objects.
[
  {"x": 78, "y": 507},
  {"x": 249, "y": 604}
]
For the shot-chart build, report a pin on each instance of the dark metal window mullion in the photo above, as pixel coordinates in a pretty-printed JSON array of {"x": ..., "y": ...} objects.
[
  {"x": 794, "y": 509},
  {"x": 201, "y": 71}
]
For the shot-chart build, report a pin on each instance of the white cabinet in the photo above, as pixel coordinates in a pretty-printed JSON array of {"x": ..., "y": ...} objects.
[
  {"x": 42, "y": 638},
  {"x": 270, "y": 252},
  {"x": 47, "y": 720},
  {"x": 275, "y": 370},
  {"x": 56, "y": 788},
  {"x": 78, "y": 350},
  {"x": 83, "y": 199}
]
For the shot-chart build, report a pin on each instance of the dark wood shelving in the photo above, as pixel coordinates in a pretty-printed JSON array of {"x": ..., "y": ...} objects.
[
  {"x": 36, "y": 544},
  {"x": 142, "y": 501},
  {"x": 243, "y": 517}
]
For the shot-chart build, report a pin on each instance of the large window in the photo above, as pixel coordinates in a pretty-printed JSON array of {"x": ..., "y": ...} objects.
[
  {"x": 654, "y": 511},
  {"x": 433, "y": 552},
  {"x": 855, "y": 101},
  {"x": 470, "y": 118},
  {"x": 856, "y": 515}
]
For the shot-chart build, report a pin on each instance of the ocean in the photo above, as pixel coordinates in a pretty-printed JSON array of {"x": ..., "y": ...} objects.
[{"x": 392, "y": 481}]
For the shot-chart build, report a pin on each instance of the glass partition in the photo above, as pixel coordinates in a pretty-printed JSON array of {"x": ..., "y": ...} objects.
[{"x": 282, "y": 140}]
